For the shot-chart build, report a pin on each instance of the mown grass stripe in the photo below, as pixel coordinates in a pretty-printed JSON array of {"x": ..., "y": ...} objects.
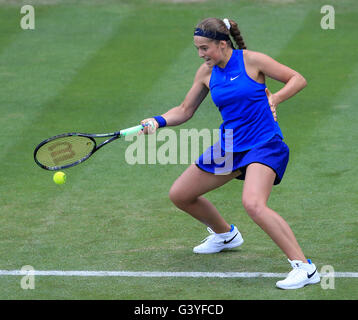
[
  {"x": 39, "y": 63},
  {"x": 323, "y": 181},
  {"x": 317, "y": 54}
]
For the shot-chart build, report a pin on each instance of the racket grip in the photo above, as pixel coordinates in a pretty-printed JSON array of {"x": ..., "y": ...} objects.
[
  {"x": 131, "y": 130},
  {"x": 135, "y": 129}
]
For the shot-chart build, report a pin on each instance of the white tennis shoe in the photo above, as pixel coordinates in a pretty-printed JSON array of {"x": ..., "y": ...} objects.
[
  {"x": 217, "y": 242},
  {"x": 301, "y": 275}
]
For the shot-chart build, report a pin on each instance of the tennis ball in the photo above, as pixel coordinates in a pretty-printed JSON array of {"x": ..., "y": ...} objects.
[{"x": 59, "y": 177}]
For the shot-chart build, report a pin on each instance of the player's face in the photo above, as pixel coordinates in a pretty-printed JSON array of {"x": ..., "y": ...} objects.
[{"x": 209, "y": 50}]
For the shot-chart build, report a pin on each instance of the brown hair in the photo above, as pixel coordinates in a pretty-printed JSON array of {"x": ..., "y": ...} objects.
[{"x": 218, "y": 25}]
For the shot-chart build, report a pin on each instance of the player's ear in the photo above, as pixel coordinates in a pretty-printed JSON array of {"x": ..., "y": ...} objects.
[{"x": 222, "y": 44}]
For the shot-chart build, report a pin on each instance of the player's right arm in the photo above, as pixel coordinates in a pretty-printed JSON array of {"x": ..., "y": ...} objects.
[{"x": 192, "y": 101}]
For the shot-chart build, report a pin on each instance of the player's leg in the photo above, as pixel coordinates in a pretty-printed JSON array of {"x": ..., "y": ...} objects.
[
  {"x": 257, "y": 188},
  {"x": 186, "y": 193}
]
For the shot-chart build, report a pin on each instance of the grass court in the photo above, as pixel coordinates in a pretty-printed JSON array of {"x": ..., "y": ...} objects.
[{"x": 99, "y": 66}]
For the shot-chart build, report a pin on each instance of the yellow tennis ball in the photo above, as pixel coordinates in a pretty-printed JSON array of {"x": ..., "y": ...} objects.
[{"x": 59, "y": 177}]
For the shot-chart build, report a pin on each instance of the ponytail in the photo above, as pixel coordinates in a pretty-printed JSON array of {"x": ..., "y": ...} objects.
[{"x": 236, "y": 35}]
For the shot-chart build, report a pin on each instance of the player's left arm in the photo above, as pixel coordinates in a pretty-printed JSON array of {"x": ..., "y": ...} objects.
[{"x": 294, "y": 81}]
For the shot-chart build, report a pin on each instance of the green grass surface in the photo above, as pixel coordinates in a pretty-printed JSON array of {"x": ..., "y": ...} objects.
[{"x": 98, "y": 66}]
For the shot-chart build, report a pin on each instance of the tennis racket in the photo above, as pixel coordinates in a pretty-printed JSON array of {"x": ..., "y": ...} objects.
[{"x": 70, "y": 149}]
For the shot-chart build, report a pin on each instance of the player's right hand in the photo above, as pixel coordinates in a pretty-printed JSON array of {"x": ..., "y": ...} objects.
[{"x": 151, "y": 125}]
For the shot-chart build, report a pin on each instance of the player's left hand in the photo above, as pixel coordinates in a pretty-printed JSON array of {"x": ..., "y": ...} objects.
[{"x": 272, "y": 102}]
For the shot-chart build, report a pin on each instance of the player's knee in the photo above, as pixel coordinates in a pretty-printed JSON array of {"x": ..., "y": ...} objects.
[
  {"x": 179, "y": 197},
  {"x": 254, "y": 207}
]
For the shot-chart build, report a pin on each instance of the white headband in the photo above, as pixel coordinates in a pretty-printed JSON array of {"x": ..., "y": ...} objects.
[{"x": 227, "y": 23}]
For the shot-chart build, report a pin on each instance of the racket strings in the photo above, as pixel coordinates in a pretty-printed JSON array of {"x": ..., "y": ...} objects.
[{"x": 65, "y": 150}]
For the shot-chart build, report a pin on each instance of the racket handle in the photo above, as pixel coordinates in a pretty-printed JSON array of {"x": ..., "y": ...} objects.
[
  {"x": 131, "y": 130},
  {"x": 135, "y": 129}
]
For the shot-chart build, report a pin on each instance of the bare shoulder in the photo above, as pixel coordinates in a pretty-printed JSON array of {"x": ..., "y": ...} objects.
[
  {"x": 266, "y": 65},
  {"x": 252, "y": 61},
  {"x": 255, "y": 57}
]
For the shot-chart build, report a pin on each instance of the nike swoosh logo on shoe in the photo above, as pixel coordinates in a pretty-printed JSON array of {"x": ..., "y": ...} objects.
[
  {"x": 311, "y": 275},
  {"x": 227, "y": 241}
]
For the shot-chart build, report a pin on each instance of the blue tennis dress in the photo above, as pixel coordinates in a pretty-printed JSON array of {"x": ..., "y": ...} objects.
[{"x": 248, "y": 132}]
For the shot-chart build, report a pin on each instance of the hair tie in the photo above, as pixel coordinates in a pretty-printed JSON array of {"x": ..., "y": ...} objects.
[{"x": 227, "y": 23}]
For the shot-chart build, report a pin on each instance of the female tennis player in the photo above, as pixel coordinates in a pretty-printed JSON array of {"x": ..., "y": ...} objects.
[{"x": 250, "y": 147}]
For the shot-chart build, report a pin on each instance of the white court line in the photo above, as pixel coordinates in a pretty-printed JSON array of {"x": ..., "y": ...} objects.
[{"x": 154, "y": 274}]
